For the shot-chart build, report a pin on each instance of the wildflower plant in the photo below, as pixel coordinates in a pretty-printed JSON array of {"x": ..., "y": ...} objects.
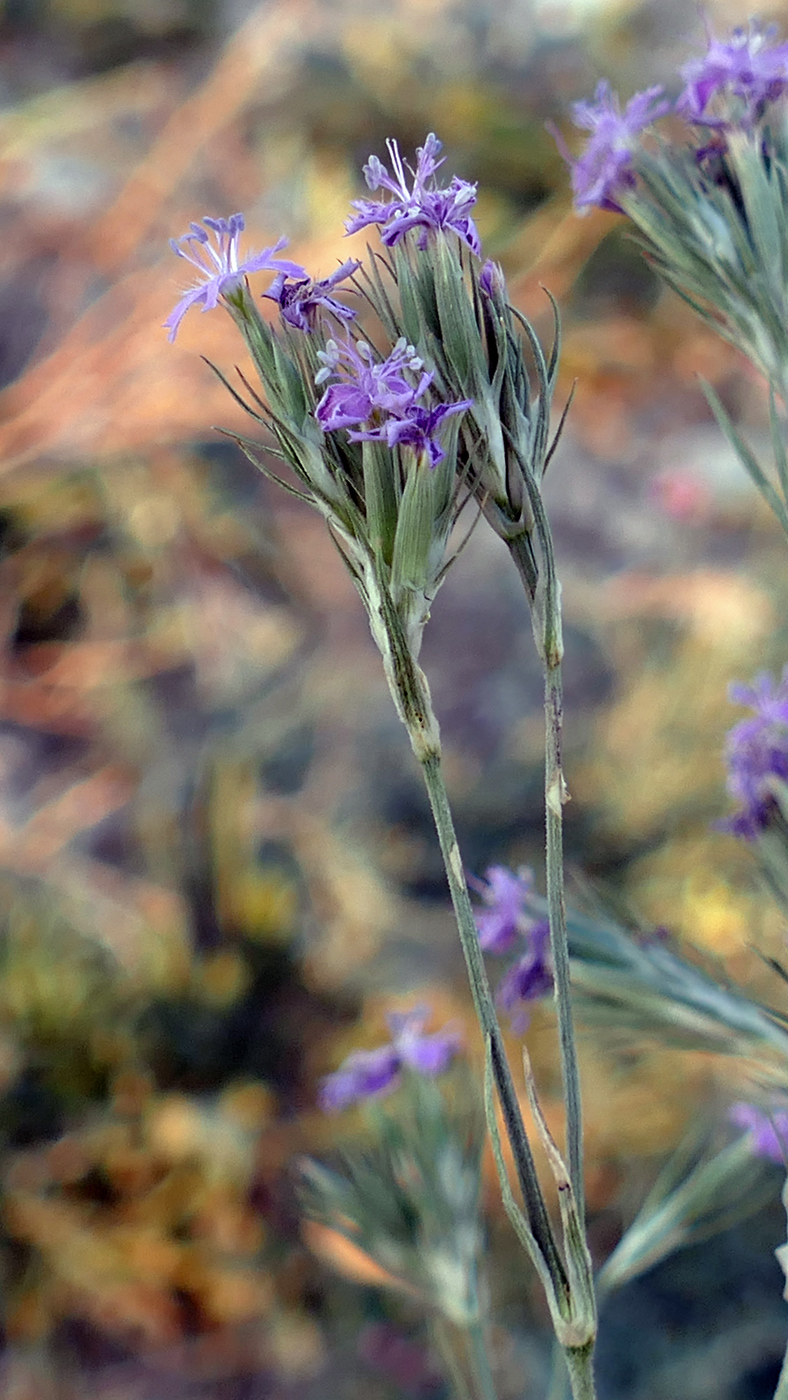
[{"x": 426, "y": 395}]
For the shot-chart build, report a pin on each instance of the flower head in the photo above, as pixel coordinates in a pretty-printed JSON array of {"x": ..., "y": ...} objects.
[
  {"x": 768, "y": 1131},
  {"x": 367, "y": 1073},
  {"x": 421, "y": 205},
  {"x": 300, "y": 299},
  {"x": 418, "y": 429},
  {"x": 756, "y": 752},
  {"x": 218, "y": 266},
  {"x": 530, "y": 978},
  {"x": 504, "y": 893},
  {"x": 605, "y": 166},
  {"x": 733, "y": 82},
  {"x": 366, "y": 386}
]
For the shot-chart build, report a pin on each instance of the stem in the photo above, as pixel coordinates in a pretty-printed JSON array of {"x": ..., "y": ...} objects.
[
  {"x": 444, "y": 1342},
  {"x": 479, "y": 1361},
  {"x": 485, "y": 1011},
  {"x": 580, "y": 1362},
  {"x": 554, "y": 799}
]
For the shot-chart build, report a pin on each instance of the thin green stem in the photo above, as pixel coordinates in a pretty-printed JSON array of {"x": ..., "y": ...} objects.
[
  {"x": 485, "y": 1011},
  {"x": 580, "y": 1363},
  {"x": 554, "y": 798},
  {"x": 444, "y": 1342}
]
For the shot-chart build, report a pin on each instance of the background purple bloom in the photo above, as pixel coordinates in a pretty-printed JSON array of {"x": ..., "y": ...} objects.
[
  {"x": 300, "y": 300},
  {"x": 769, "y": 1132},
  {"x": 218, "y": 266},
  {"x": 529, "y": 979},
  {"x": 505, "y": 895},
  {"x": 367, "y": 1073},
  {"x": 756, "y": 751},
  {"x": 743, "y": 75},
  {"x": 421, "y": 206},
  {"x": 605, "y": 165}
]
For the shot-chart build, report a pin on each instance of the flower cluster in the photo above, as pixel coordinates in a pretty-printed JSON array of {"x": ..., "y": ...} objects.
[
  {"x": 756, "y": 753},
  {"x": 367, "y": 1073},
  {"x": 422, "y": 206},
  {"x": 300, "y": 300},
  {"x": 727, "y": 89},
  {"x": 505, "y": 918},
  {"x": 768, "y": 1131}
]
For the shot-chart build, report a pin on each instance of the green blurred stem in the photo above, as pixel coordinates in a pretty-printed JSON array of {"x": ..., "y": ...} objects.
[
  {"x": 555, "y": 795},
  {"x": 781, "y": 1393},
  {"x": 444, "y": 1343},
  {"x": 479, "y": 1360}
]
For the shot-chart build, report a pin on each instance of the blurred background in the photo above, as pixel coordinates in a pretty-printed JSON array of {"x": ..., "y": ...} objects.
[{"x": 217, "y": 870}]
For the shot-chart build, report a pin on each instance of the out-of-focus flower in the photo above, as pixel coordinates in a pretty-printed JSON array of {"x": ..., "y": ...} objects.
[
  {"x": 300, "y": 299},
  {"x": 423, "y": 206},
  {"x": 735, "y": 79},
  {"x": 219, "y": 267},
  {"x": 367, "y": 1073},
  {"x": 768, "y": 1131},
  {"x": 529, "y": 979},
  {"x": 366, "y": 385},
  {"x": 756, "y": 752},
  {"x": 605, "y": 166},
  {"x": 504, "y": 893}
]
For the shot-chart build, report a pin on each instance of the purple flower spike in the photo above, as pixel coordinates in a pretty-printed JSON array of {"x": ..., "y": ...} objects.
[
  {"x": 299, "y": 301},
  {"x": 505, "y": 895},
  {"x": 219, "y": 267},
  {"x": 605, "y": 166},
  {"x": 737, "y": 79},
  {"x": 369, "y": 1073},
  {"x": 756, "y": 752},
  {"x": 768, "y": 1132},
  {"x": 423, "y": 206},
  {"x": 366, "y": 386},
  {"x": 529, "y": 979}
]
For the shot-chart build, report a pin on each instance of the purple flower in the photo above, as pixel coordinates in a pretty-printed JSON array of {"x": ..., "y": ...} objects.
[
  {"x": 367, "y": 1073},
  {"x": 417, "y": 429},
  {"x": 528, "y": 979},
  {"x": 219, "y": 267},
  {"x": 505, "y": 895},
  {"x": 605, "y": 166},
  {"x": 742, "y": 75},
  {"x": 300, "y": 300},
  {"x": 756, "y": 752},
  {"x": 423, "y": 206},
  {"x": 768, "y": 1131},
  {"x": 366, "y": 386},
  {"x": 491, "y": 279}
]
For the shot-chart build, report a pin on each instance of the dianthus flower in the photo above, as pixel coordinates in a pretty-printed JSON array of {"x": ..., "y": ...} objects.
[
  {"x": 737, "y": 79},
  {"x": 300, "y": 300},
  {"x": 367, "y": 1073},
  {"x": 756, "y": 752},
  {"x": 366, "y": 385},
  {"x": 605, "y": 165},
  {"x": 423, "y": 206},
  {"x": 768, "y": 1132},
  {"x": 418, "y": 429},
  {"x": 504, "y": 893},
  {"x": 219, "y": 267},
  {"x": 529, "y": 979}
]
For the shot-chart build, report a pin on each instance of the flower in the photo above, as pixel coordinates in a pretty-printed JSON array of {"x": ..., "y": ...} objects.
[
  {"x": 742, "y": 75},
  {"x": 299, "y": 300},
  {"x": 424, "y": 206},
  {"x": 756, "y": 752},
  {"x": 366, "y": 386},
  {"x": 219, "y": 267},
  {"x": 367, "y": 1073},
  {"x": 530, "y": 978},
  {"x": 605, "y": 166},
  {"x": 417, "y": 429},
  {"x": 769, "y": 1131},
  {"x": 505, "y": 895}
]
